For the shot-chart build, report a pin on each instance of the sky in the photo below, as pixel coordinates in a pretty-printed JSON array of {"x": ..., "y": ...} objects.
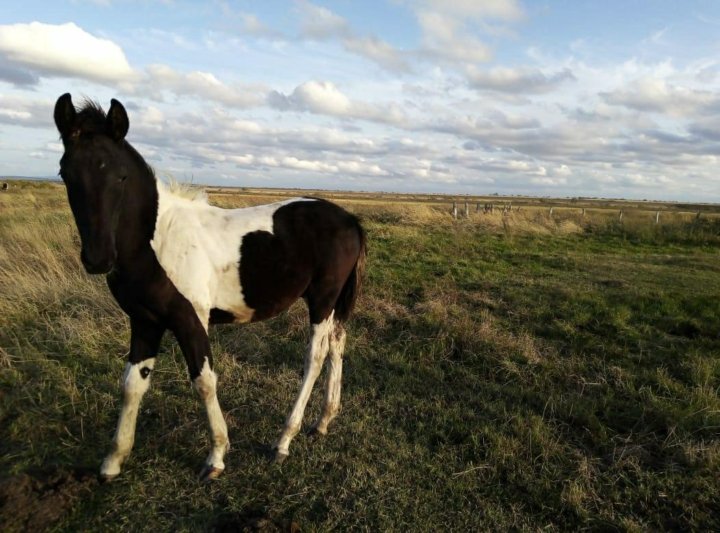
[{"x": 549, "y": 98}]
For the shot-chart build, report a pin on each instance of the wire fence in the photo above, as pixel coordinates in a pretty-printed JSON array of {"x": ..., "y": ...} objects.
[{"x": 584, "y": 213}]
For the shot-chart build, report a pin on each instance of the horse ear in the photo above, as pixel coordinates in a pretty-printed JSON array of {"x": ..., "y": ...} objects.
[
  {"x": 64, "y": 114},
  {"x": 117, "y": 121}
]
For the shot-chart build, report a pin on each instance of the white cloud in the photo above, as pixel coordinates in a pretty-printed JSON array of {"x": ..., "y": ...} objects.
[
  {"x": 35, "y": 50},
  {"x": 15, "y": 116},
  {"x": 706, "y": 128},
  {"x": 16, "y": 75},
  {"x": 57, "y": 148},
  {"x": 378, "y": 51},
  {"x": 657, "y": 95},
  {"x": 247, "y": 23},
  {"x": 562, "y": 170},
  {"x": 445, "y": 38},
  {"x": 64, "y": 50},
  {"x": 317, "y": 22},
  {"x": 25, "y": 112},
  {"x": 334, "y": 165},
  {"x": 513, "y": 122},
  {"x": 450, "y": 29},
  {"x": 102, "y": 3},
  {"x": 314, "y": 96},
  {"x": 521, "y": 80},
  {"x": 252, "y": 25},
  {"x": 549, "y": 182},
  {"x": 324, "y": 98},
  {"x": 495, "y": 9},
  {"x": 198, "y": 84}
]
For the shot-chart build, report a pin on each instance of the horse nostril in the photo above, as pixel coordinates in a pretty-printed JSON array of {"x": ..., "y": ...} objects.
[{"x": 97, "y": 265}]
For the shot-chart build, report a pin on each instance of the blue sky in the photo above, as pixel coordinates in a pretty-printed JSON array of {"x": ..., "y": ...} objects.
[{"x": 550, "y": 98}]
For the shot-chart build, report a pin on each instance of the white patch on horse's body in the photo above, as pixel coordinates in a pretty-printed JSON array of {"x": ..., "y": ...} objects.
[
  {"x": 135, "y": 383},
  {"x": 198, "y": 246},
  {"x": 206, "y": 386}
]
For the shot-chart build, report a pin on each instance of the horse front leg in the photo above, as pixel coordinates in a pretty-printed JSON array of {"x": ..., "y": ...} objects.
[
  {"x": 144, "y": 344},
  {"x": 191, "y": 334}
]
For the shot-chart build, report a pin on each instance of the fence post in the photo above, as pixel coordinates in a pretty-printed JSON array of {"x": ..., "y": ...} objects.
[
  {"x": 621, "y": 215},
  {"x": 582, "y": 215},
  {"x": 454, "y": 210},
  {"x": 467, "y": 210},
  {"x": 697, "y": 217},
  {"x": 657, "y": 217},
  {"x": 551, "y": 211}
]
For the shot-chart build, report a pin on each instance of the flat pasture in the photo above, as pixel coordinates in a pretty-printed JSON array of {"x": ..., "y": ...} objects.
[{"x": 505, "y": 370}]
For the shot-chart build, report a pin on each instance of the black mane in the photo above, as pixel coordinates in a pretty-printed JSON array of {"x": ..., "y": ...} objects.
[{"x": 91, "y": 118}]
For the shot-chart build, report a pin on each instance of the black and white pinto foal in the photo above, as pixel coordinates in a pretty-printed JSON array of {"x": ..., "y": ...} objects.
[{"x": 178, "y": 264}]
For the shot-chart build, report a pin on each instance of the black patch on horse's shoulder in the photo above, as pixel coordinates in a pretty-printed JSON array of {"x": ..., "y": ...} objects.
[{"x": 277, "y": 268}]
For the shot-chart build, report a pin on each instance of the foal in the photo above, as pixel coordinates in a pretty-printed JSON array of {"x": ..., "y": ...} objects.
[{"x": 178, "y": 264}]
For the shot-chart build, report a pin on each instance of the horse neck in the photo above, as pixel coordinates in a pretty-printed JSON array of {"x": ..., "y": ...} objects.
[{"x": 137, "y": 220}]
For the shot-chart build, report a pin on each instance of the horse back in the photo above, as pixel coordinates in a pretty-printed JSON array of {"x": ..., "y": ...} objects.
[{"x": 314, "y": 243}]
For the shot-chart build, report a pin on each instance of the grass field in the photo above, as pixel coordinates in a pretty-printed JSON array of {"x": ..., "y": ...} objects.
[{"x": 502, "y": 372}]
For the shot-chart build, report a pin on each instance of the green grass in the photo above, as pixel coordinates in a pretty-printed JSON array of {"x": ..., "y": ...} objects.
[{"x": 493, "y": 380}]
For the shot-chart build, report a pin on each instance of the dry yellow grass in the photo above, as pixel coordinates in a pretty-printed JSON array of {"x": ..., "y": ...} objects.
[{"x": 523, "y": 371}]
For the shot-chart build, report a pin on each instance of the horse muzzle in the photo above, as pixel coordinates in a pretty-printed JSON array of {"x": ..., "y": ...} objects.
[{"x": 97, "y": 263}]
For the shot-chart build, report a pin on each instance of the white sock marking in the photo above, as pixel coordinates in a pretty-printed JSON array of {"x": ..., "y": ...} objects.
[
  {"x": 206, "y": 386},
  {"x": 317, "y": 351},
  {"x": 333, "y": 381},
  {"x": 134, "y": 387}
]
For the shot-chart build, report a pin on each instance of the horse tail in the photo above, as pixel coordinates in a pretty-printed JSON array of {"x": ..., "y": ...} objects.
[{"x": 350, "y": 291}]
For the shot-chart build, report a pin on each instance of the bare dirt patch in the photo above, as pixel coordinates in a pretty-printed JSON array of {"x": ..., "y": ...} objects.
[{"x": 36, "y": 501}]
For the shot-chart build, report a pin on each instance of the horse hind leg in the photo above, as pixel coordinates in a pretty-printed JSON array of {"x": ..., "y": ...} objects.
[
  {"x": 333, "y": 380},
  {"x": 314, "y": 358}
]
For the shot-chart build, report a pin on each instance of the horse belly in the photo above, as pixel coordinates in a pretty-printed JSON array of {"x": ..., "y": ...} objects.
[{"x": 229, "y": 297}]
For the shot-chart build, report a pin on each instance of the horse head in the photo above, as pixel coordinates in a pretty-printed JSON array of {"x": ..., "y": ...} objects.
[{"x": 95, "y": 168}]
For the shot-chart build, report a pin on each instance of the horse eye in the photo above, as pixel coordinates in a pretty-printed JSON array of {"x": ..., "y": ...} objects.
[
  {"x": 122, "y": 178},
  {"x": 102, "y": 164}
]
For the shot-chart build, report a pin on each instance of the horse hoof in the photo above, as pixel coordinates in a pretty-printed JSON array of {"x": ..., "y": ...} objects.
[
  {"x": 316, "y": 433},
  {"x": 210, "y": 473},
  {"x": 107, "y": 478},
  {"x": 280, "y": 457}
]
